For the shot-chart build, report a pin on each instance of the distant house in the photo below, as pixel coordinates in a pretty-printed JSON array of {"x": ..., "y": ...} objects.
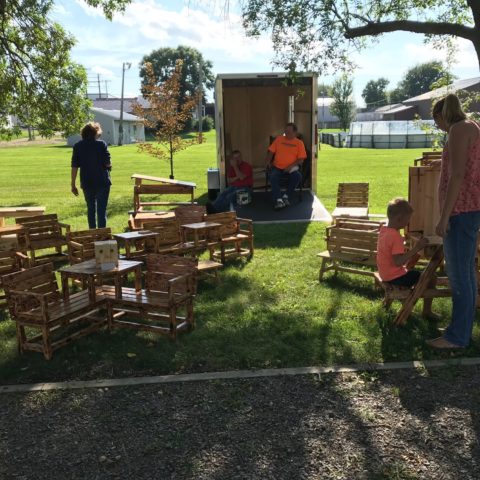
[
  {"x": 133, "y": 128},
  {"x": 325, "y": 118},
  {"x": 423, "y": 103},
  {"x": 114, "y": 103}
]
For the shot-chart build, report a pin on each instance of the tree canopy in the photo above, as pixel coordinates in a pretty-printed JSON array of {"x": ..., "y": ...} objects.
[
  {"x": 319, "y": 34},
  {"x": 375, "y": 93},
  {"x": 39, "y": 83},
  {"x": 343, "y": 106},
  {"x": 163, "y": 62}
]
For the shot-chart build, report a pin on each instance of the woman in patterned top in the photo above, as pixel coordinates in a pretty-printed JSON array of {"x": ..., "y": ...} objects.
[{"x": 459, "y": 197}]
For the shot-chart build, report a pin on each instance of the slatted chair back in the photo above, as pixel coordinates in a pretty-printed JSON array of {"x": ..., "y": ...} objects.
[
  {"x": 189, "y": 214},
  {"x": 361, "y": 245},
  {"x": 36, "y": 280},
  {"x": 41, "y": 227},
  {"x": 228, "y": 221},
  {"x": 168, "y": 235},
  {"x": 352, "y": 195},
  {"x": 161, "y": 268},
  {"x": 358, "y": 224},
  {"x": 81, "y": 243},
  {"x": 10, "y": 262}
]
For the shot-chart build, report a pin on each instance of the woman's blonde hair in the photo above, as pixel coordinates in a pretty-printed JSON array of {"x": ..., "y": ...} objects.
[
  {"x": 450, "y": 109},
  {"x": 91, "y": 130}
]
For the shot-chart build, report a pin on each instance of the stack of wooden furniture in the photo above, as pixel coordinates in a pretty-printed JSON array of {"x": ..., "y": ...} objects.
[
  {"x": 44, "y": 232},
  {"x": 351, "y": 246},
  {"x": 428, "y": 158},
  {"x": 352, "y": 200},
  {"x": 146, "y": 185}
]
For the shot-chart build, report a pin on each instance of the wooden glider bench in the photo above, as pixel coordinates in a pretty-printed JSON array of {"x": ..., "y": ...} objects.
[
  {"x": 81, "y": 244},
  {"x": 170, "y": 287},
  {"x": 10, "y": 261},
  {"x": 352, "y": 245},
  {"x": 36, "y": 304},
  {"x": 42, "y": 232}
]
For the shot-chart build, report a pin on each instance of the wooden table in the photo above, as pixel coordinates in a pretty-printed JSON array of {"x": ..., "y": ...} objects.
[
  {"x": 17, "y": 212},
  {"x": 130, "y": 238},
  {"x": 12, "y": 237},
  {"x": 199, "y": 229},
  {"x": 89, "y": 272}
]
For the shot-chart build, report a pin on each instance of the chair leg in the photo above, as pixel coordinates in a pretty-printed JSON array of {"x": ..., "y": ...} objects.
[
  {"x": 21, "y": 337},
  {"x": 173, "y": 323},
  {"x": 189, "y": 314},
  {"x": 322, "y": 269},
  {"x": 47, "y": 345}
]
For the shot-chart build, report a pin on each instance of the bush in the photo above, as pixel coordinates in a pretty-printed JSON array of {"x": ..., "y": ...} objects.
[{"x": 207, "y": 124}]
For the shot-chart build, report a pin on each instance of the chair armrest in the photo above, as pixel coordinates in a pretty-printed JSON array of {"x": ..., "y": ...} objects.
[
  {"x": 40, "y": 297},
  {"x": 65, "y": 226},
  {"x": 24, "y": 260}
]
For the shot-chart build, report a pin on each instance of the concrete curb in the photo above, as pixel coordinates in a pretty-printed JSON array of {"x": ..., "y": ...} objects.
[{"x": 236, "y": 374}]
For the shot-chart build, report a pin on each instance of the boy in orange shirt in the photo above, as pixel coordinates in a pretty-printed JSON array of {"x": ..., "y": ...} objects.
[{"x": 392, "y": 260}]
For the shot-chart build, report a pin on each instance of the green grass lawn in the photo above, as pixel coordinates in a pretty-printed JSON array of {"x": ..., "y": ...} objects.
[{"x": 268, "y": 312}]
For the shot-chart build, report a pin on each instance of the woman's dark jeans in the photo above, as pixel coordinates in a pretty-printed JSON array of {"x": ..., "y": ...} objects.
[
  {"x": 97, "y": 199},
  {"x": 460, "y": 245}
]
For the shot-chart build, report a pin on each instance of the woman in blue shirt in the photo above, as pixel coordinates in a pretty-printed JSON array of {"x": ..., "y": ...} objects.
[{"x": 92, "y": 157}]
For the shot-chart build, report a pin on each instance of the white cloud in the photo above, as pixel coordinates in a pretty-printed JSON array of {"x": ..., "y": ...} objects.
[{"x": 102, "y": 71}]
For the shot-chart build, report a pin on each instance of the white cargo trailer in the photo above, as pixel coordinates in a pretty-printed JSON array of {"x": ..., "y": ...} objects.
[{"x": 252, "y": 108}]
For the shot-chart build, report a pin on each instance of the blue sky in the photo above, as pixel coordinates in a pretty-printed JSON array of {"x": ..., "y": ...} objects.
[{"x": 102, "y": 46}]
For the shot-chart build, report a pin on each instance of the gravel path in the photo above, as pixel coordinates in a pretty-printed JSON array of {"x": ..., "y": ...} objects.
[{"x": 389, "y": 425}]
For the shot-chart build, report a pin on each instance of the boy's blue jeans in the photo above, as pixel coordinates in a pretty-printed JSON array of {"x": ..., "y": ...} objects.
[
  {"x": 97, "y": 199},
  {"x": 275, "y": 176},
  {"x": 459, "y": 246}
]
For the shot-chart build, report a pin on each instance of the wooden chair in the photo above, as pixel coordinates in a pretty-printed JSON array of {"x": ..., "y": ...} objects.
[
  {"x": 80, "y": 244},
  {"x": 10, "y": 262},
  {"x": 190, "y": 214},
  {"x": 233, "y": 233},
  {"x": 36, "y": 304},
  {"x": 351, "y": 246},
  {"x": 42, "y": 232},
  {"x": 352, "y": 200},
  {"x": 167, "y": 239},
  {"x": 170, "y": 287}
]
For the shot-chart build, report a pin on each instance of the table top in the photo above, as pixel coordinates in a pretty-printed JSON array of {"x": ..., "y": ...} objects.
[
  {"x": 137, "y": 234},
  {"x": 11, "y": 229},
  {"x": 90, "y": 267},
  {"x": 201, "y": 225},
  {"x": 19, "y": 210},
  {"x": 350, "y": 212}
]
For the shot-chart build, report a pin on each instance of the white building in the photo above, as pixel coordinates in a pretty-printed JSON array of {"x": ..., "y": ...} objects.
[
  {"x": 133, "y": 128},
  {"x": 325, "y": 117}
]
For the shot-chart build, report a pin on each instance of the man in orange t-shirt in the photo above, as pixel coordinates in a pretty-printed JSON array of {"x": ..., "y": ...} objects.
[{"x": 285, "y": 156}]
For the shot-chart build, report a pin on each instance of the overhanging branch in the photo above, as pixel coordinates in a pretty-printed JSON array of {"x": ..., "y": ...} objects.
[{"x": 428, "y": 28}]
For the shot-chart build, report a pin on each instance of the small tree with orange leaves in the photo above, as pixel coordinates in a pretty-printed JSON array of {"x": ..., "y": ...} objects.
[{"x": 165, "y": 115}]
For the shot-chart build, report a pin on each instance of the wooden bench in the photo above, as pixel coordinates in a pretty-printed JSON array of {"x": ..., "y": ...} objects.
[
  {"x": 170, "y": 288},
  {"x": 160, "y": 186},
  {"x": 354, "y": 246},
  {"x": 45, "y": 321},
  {"x": 235, "y": 236},
  {"x": 42, "y": 232}
]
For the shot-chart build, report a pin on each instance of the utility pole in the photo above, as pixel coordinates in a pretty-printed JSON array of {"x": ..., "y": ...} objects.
[
  {"x": 125, "y": 66},
  {"x": 99, "y": 87},
  {"x": 200, "y": 99}
]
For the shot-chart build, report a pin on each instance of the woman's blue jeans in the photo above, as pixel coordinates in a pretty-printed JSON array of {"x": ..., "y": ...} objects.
[
  {"x": 97, "y": 199},
  {"x": 460, "y": 245}
]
